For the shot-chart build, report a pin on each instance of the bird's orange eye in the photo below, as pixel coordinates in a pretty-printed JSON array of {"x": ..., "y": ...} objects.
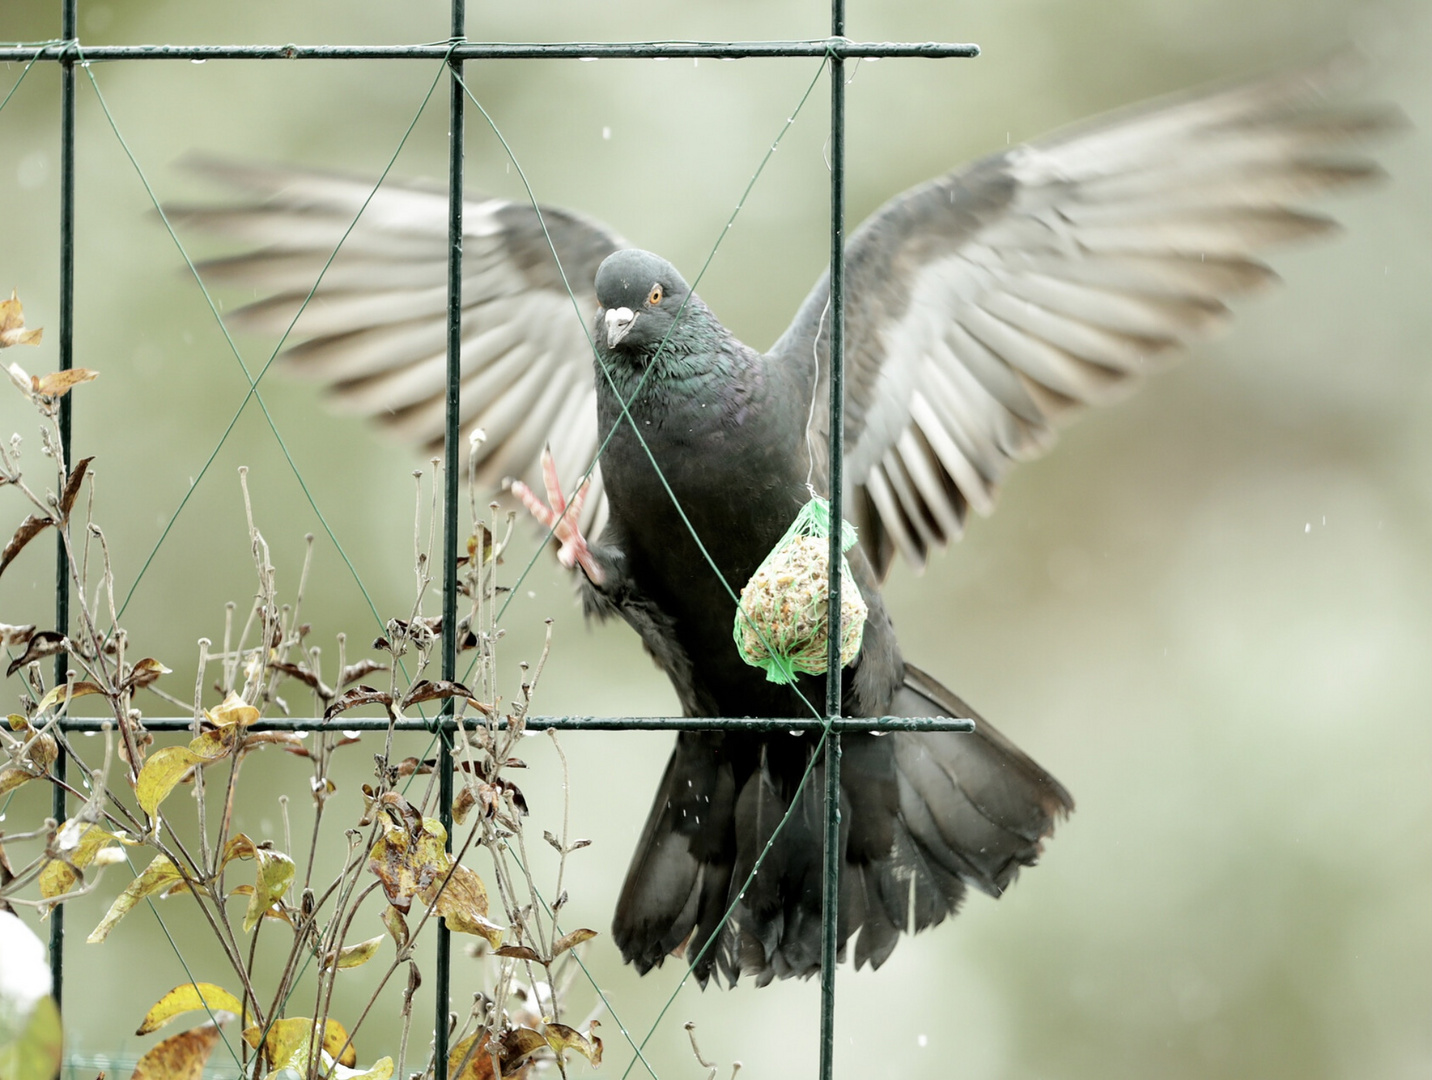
[{"x": 654, "y": 297}]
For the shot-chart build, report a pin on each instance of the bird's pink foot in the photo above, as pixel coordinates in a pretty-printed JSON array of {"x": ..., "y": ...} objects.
[{"x": 562, "y": 517}]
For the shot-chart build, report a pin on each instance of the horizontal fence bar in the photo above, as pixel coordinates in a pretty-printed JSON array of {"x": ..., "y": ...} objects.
[
  {"x": 638, "y": 50},
  {"x": 564, "y": 723}
]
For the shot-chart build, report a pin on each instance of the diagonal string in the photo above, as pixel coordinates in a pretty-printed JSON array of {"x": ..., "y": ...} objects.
[{"x": 40, "y": 47}]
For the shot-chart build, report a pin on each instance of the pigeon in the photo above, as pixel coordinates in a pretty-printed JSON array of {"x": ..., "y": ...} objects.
[
  {"x": 983, "y": 309},
  {"x": 716, "y": 455}
]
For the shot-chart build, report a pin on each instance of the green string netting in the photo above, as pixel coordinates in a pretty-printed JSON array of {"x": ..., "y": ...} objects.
[{"x": 782, "y": 621}]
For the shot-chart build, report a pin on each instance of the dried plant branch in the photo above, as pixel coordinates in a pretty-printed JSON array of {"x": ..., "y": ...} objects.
[{"x": 273, "y": 645}]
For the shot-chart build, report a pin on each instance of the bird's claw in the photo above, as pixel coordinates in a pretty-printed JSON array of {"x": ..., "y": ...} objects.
[{"x": 561, "y": 517}]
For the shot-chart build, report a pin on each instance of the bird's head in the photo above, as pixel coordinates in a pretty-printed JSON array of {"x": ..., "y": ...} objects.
[{"x": 640, "y": 295}]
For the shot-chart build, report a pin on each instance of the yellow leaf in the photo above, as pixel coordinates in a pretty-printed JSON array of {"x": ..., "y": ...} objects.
[
  {"x": 179, "y": 1057},
  {"x": 12, "y": 324},
  {"x": 273, "y": 874},
  {"x": 79, "y": 842},
  {"x": 161, "y": 772},
  {"x": 286, "y": 1045},
  {"x": 463, "y": 905},
  {"x": 408, "y": 864},
  {"x": 432, "y": 844},
  {"x": 238, "y": 847},
  {"x": 12, "y": 776},
  {"x": 57, "y": 693},
  {"x": 274, "y": 912},
  {"x": 166, "y": 767},
  {"x": 396, "y": 924},
  {"x": 561, "y": 1037},
  {"x": 215, "y": 745},
  {"x": 475, "y": 1061},
  {"x": 351, "y": 956},
  {"x": 335, "y": 1035},
  {"x": 382, "y": 1069},
  {"x": 186, "y": 998},
  {"x": 233, "y": 710},
  {"x": 159, "y": 875}
]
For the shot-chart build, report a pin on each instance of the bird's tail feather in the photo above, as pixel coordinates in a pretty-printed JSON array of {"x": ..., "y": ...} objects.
[{"x": 924, "y": 815}]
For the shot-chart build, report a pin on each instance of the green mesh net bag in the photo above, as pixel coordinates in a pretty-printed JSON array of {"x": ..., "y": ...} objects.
[{"x": 781, "y": 623}]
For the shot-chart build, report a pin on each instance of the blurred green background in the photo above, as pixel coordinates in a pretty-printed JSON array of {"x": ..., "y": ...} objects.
[{"x": 1207, "y": 613}]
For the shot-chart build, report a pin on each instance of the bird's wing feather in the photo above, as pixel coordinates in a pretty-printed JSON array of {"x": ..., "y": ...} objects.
[
  {"x": 374, "y": 330},
  {"x": 987, "y": 304}
]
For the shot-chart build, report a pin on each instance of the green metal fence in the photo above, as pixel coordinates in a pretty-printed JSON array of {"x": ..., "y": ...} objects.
[{"x": 68, "y": 52}]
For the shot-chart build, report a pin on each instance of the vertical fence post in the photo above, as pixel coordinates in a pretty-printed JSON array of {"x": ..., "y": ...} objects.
[
  {"x": 452, "y": 469},
  {"x": 69, "y": 30},
  {"x": 830, "y": 892}
]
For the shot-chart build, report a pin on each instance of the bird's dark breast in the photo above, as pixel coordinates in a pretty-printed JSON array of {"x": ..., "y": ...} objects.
[{"x": 740, "y": 485}]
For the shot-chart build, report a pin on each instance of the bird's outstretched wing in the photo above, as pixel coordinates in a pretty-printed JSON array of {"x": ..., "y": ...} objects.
[
  {"x": 375, "y": 328},
  {"x": 989, "y": 303}
]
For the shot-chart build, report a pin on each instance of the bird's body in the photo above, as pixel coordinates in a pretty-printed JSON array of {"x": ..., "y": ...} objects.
[
  {"x": 982, "y": 308},
  {"x": 706, "y": 418},
  {"x": 709, "y": 462},
  {"x": 714, "y": 418}
]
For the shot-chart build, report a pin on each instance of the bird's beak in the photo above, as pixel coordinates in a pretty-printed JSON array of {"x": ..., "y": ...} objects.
[{"x": 619, "y": 323}]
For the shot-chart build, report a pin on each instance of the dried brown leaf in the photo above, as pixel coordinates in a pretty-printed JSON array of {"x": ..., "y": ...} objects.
[
  {"x": 60, "y": 383},
  {"x": 12, "y": 324},
  {"x": 359, "y": 695},
  {"x": 429, "y": 689},
  {"x": 143, "y": 674},
  {"x": 401, "y": 812},
  {"x": 296, "y": 671},
  {"x": 567, "y": 940},
  {"x": 463, "y": 805},
  {"x": 361, "y": 669},
  {"x": 291, "y": 741},
  {"x": 30, "y": 528},
  {"x": 471, "y": 1054},
  {"x": 519, "y": 952},
  {"x": 72, "y": 487},
  {"x": 517, "y": 1045},
  {"x": 15, "y": 635}
]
